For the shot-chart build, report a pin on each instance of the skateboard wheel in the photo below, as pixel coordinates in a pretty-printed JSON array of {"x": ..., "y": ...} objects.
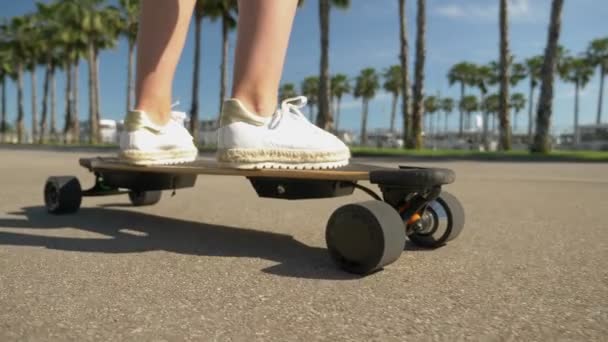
[
  {"x": 442, "y": 221},
  {"x": 364, "y": 237},
  {"x": 142, "y": 198},
  {"x": 62, "y": 195}
]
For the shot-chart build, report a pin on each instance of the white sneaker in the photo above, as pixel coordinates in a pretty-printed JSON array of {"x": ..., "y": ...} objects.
[
  {"x": 143, "y": 142},
  {"x": 285, "y": 140}
]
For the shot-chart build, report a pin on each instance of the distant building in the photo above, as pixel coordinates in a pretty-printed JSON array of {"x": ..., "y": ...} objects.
[{"x": 592, "y": 137}]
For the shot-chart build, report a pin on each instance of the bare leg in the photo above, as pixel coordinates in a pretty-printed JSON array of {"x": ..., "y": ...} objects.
[
  {"x": 162, "y": 34},
  {"x": 263, "y": 35}
]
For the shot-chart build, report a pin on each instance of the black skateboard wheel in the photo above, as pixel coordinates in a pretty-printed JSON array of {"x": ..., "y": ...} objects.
[
  {"x": 142, "y": 198},
  {"x": 364, "y": 237},
  {"x": 442, "y": 221},
  {"x": 62, "y": 195}
]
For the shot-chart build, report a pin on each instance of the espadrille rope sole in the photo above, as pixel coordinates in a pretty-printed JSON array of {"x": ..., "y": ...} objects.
[
  {"x": 168, "y": 157},
  {"x": 281, "y": 159}
]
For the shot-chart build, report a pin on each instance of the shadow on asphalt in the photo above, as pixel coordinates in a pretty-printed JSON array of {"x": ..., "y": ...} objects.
[{"x": 133, "y": 232}]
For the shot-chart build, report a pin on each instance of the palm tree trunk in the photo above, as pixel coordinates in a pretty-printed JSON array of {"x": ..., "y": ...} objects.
[
  {"x": 338, "y": 100},
  {"x": 131, "y": 63},
  {"x": 394, "y": 112},
  {"x": 461, "y": 120},
  {"x": 403, "y": 55},
  {"x": 601, "y": 97},
  {"x": 576, "y": 133},
  {"x": 194, "y": 120},
  {"x": 97, "y": 96},
  {"x": 419, "y": 75},
  {"x": 45, "y": 101},
  {"x": 515, "y": 115},
  {"x": 67, "y": 126},
  {"x": 530, "y": 111},
  {"x": 224, "y": 66},
  {"x": 92, "y": 123},
  {"x": 364, "y": 122},
  {"x": 542, "y": 141},
  {"x": 20, "y": 114},
  {"x": 3, "y": 102},
  {"x": 324, "y": 119},
  {"x": 75, "y": 112},
  {"x": 445, "y": 122},
  {"x": 34, "y": 106},
  {"x": 311, "y": 108},
  {"x": 437, "y": 117},
  {"x": 53, "y": 85},
  {"x": 503, "y": 107}
]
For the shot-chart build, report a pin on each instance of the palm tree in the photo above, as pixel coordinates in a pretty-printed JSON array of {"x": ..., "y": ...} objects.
[
  {"x": 542, "y": 141},
  {"x": 579, "y": 72},
  {"x": 130, "y": 23},
  {"x": 5, "y": 71},
  {"x": 463, "y": 73},
  {"x": 100, "y": 27},
  {"x": 447, "y": 106},
  {"x": 417, "y": 109},
  {"x": 484, "y": 76},
  {"x": 286, "y": 91},
  {"x": 199, "y": 12},
  {"x": 392, "y": 84},
  {"x": 49, "y": 30},
  {"x": 74, "y": 47},
  {"x": 403, "y": 56},
  {"x": 431, "y": 106},
  {"x": 490, "y": 105},
  {"x": 340, "y": 85},
  {"x": 517, "y": 102},
  {"x": 324, "y": 119},
  {"x": 225, "y": 10},
  {"x": 533, "y": 68},
  {"x": 16, "y": 35},
  {"x": 505, "y": 126},
  {"x": 367, "y": 83},
  {"x": 310, "y": 89},
  {"x": 31, "y": 63},
  {"x": 597, "y": 53},
  {"x": 469, "y": 104}
]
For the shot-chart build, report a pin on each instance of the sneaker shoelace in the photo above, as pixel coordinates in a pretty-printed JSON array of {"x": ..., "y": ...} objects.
[{"x": 292, "y": 107}]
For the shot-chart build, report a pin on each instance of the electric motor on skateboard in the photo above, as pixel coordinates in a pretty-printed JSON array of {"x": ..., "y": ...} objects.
[{"x": 361, "y": 237}]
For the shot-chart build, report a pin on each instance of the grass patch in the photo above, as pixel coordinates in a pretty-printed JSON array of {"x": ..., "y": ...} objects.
[{"x": 597, "y": 156}]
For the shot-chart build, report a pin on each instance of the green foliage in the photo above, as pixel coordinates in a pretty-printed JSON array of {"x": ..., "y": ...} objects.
[
  {"x": 534, "y": 67},
  {"x": 597, "y": 53},
  {"x": 469, "y": 104},
  {"x": 447, "y": 104},
  {"x": 576, "y": 70},
  {"x": 367, "y": 84},
  {"x": 129, "y": 14},
  {"x": 220, "y": 9},
  {"x": 491, "y": 104},
  {"x": 517, "y": 101},
  {"x": 310, "y": 89},
  {"x": 340, "y": 85},
  {"x": 432, "y": 104},
  {"x": 464, "y": 73},
  {"x": 392, "y": 79},
  {"x": 286, "y": 91}
]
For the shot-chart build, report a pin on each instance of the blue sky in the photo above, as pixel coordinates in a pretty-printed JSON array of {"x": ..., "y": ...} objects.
[{"x": 366, "y": 35}]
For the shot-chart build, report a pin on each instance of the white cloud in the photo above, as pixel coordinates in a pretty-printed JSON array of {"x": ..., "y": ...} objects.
[{"x": 518, "y": 9}]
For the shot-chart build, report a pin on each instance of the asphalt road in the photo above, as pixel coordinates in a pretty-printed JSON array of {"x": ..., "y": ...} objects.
[{"x": 217, "y": 263}]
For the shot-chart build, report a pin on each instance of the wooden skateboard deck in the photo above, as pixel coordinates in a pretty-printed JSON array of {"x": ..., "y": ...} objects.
[{"x": 352, "y": 172}]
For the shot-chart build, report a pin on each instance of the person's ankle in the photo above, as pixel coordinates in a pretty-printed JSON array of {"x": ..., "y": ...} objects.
[
  {"x": 260, "y": 106},
  {"x": 159, "y": 115}
]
